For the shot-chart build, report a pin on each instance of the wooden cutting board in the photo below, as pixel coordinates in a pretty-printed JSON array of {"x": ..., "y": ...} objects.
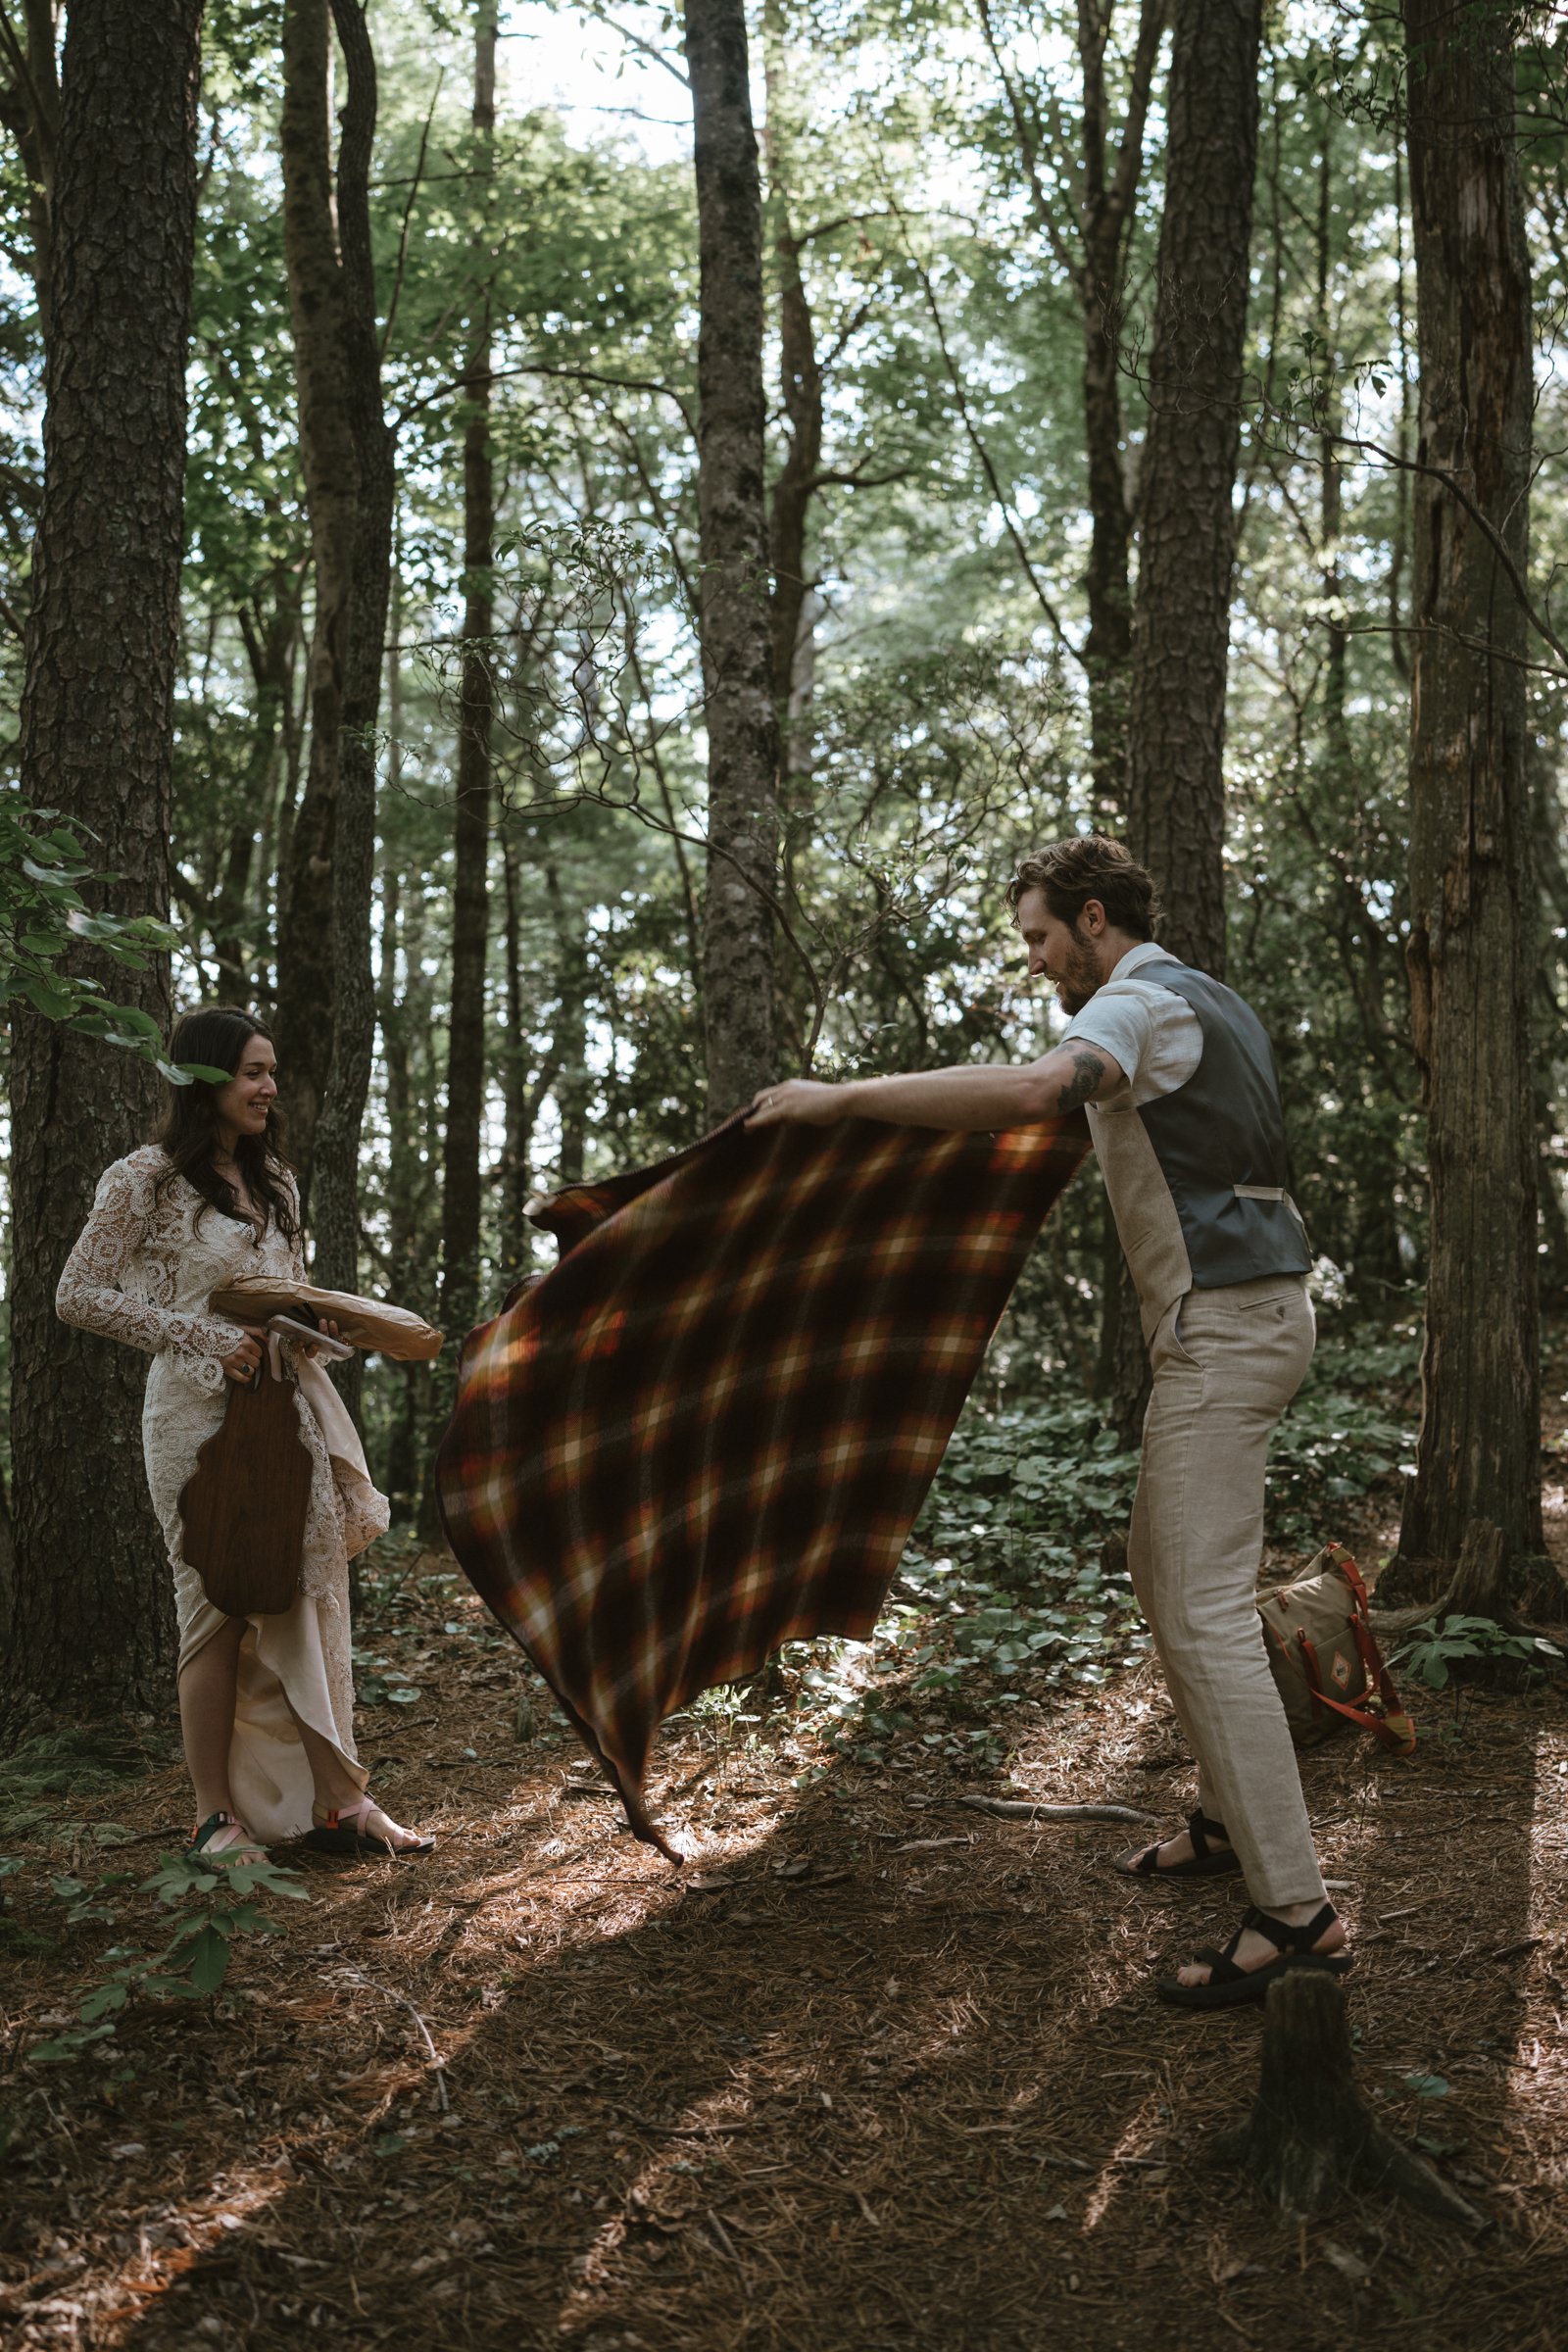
[{"x": 242, "y": 1509}]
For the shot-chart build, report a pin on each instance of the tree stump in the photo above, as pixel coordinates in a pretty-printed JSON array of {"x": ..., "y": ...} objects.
[{"x": 1310, "y": 2138}]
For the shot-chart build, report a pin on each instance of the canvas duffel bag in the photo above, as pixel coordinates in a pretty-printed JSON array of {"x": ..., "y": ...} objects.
[{"x": 1325, "y": 1659}]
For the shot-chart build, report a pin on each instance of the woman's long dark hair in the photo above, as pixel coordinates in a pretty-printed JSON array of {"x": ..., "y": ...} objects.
[{"x": 217, "y": 1035}]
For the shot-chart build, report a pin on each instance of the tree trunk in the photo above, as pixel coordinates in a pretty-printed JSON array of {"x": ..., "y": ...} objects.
[
  {"x": 317, "y": 302},
  {"x": 94, "y": 1621},
  {"x": 1308, "y": 2140},
  {"x": 1110, "y": 194},
  {"x": 336, "y": 1213},
  {"x": 402, "y": 1472},
  {"x": 1091, "y": 247},
  {"x": 734, "y": 602},
  {"x": 800, "y": 384},
  {"x": 1181, "y": 629},
  {"x": 470, "y": 907},
  {"x": 1472, "y": 911},
  {"x": 568, "y": 1045},
  {"x": 520, "y": 1097}
]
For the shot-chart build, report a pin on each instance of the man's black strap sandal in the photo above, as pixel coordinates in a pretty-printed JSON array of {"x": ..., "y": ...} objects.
[
  {"x": 1230, "y": 1987},
  {"x": 1205, "y": 1862}
]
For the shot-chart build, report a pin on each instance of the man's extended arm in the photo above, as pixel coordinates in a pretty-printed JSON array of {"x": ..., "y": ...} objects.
[{"x": 978, "y": 1097}]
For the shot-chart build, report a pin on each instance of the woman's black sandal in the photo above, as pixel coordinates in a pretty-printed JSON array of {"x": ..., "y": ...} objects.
[
  {"x": 1202, "y": 1863},
  {"x": 1229, "y": 1987},
  {"x": 347, "y": 1831}
]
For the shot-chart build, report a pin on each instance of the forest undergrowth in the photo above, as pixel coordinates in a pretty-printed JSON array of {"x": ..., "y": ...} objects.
[{"x": 873, "y": 2069}]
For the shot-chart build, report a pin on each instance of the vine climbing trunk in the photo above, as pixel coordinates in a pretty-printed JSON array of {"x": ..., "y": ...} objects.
[
  {"x": 1477, "y": 1482},
  {"x": 734, "y": 605},
  {"x": 92, "y": 1619},
  {"x": 1180, "y": 623}
]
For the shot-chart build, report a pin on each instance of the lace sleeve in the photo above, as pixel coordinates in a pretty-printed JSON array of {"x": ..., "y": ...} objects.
[
  {"x": 296, "y": 1248},
  {"x": 92, "y": 1293}
]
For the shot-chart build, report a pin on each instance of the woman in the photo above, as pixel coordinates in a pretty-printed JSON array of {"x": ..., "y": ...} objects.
[{"x": 265, "y": 1703}]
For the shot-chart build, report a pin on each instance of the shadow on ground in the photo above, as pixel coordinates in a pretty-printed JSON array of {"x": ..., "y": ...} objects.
[{"x": 900, "y": 2081}]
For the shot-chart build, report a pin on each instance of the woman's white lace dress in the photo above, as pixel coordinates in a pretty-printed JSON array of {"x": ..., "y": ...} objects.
[{"x": 144, "y": 1269}]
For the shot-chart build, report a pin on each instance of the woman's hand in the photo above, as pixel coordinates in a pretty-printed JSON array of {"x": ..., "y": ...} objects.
[
  {"x": 240, "y": 1362},
  {"x": 306, "y": 1348},
  {"x": 799, "y": 1102}
]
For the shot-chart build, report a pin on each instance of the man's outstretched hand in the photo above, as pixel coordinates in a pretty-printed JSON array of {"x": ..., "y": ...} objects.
[{"x": 798, "y": 1102}]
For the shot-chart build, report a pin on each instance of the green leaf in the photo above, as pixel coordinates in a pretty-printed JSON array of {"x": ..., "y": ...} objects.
[
  {"x": 113, "y": 1994},
  {"x": 1427, "y": 2086},
  {"x": 209, "y": 1964},
  {"x": 66, "y": 2045}
]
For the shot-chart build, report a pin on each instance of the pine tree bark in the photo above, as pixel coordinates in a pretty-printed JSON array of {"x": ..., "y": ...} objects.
[
  {"x": 1181, "y": 626},
  {"x": 470, "y": 907},
  {"x": 336, "y": 1211},
  {"x": 1471, "y": 950},
  {"x": 734, "y": 599},
  {"x": 92, "y": 1610}
]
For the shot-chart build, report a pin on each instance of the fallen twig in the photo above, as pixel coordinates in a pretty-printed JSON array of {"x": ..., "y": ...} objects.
[
  {"x": 438, "y": 2065},
  {"x": 1017, "y": 1808},
  {"x": 725, "y": 2240}
]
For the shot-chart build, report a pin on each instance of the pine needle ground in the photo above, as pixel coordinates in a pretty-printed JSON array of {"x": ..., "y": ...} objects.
[{"x": 871, "y": 2071}]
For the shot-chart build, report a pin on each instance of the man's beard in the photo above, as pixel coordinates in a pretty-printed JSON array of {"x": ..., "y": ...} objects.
[{"x": 1079, "y": 981}]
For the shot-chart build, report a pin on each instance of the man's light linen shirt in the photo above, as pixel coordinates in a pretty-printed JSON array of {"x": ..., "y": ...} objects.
[{"x": 1153, "y": 1033}]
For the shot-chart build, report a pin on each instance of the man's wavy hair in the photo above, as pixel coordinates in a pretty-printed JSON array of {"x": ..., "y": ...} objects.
[
  {"x": 1089, "y": 865},
  {"x": 217, "y": 1035}
]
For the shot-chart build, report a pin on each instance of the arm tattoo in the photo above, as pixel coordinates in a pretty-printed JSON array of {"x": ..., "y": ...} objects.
[{"x": 1088, "y": 1071}]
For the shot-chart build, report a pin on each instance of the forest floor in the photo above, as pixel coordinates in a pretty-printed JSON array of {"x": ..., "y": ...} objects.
[{"x": 873, "y": 2070}]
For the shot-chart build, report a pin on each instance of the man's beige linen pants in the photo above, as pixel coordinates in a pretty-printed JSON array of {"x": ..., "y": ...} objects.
[{"x": 1226, "y": 1364}]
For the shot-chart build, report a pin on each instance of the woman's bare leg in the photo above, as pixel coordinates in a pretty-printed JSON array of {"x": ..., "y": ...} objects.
[
  {"x": 336, "y": 1790},
  {"x": 207, "y": 1691}
]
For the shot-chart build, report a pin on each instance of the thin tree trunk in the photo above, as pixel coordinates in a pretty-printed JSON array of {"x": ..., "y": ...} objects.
[
  {"x": 568, "y": 1045},
  {"x": 93, "y": 1620},
  {"x": 470, "y": 896},
  {"x": 29, "y": 109},
  {"x": 1336, "y": 737},
  {"x": 1092, "y": 248},
  {"x": 336, "y": 1215},
  {"x": 317, "y": 302},
  {"x": 1181, "y": 629},
  {"x": 1111, "y": 193},
  {"x": 234, "y": 915},
  {"x": 1472, "y": 910},
  {"x": 734, "y": 599},
  {"x": 800, "y": 382},
  {"x": 516, "y": 1249},
  {"x": 402, "y": 1470}
]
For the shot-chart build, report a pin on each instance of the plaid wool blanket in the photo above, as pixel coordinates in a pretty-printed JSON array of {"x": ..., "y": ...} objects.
[{"x": 708, "y": 1429}]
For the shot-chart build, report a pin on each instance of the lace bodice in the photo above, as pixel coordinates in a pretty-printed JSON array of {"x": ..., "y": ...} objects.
[{"x": 150, "y": 1256}]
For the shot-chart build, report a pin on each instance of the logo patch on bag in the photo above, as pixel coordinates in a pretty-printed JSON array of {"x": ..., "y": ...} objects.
[{"x": 1341, "y": 1670}]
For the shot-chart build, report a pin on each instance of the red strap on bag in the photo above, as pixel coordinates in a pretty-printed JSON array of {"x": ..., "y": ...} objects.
[{"x": 1392, "y": 1726}]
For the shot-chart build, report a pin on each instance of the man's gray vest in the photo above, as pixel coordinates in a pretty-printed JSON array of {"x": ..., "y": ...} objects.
[{"x": 1196, "y": 1178}]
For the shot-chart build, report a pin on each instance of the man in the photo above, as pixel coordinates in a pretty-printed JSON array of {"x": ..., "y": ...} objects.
[{"x": 1184, "y": 1108}]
